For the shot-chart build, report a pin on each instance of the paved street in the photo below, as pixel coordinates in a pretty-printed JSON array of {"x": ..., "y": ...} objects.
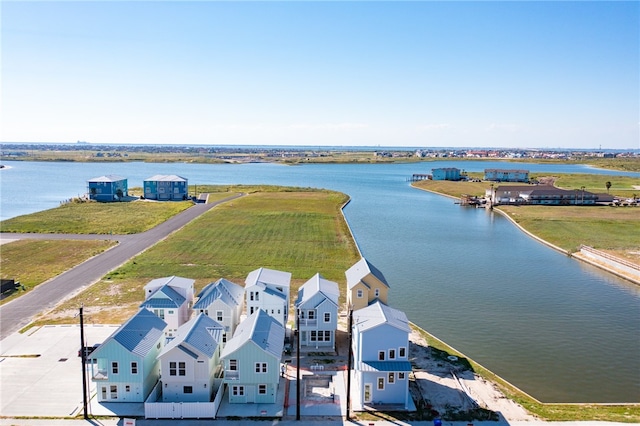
[{"x": 21, "y": 311}]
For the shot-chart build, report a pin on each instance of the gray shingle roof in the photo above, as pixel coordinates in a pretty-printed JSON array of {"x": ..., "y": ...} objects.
[{"x": 261, "y": 329}]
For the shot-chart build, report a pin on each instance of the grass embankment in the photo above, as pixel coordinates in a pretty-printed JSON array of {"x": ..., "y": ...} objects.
[
  {"x": 96, "y": 218},
  {"x": 33, "y": 262},
  {"x": 296, "y": 230}
]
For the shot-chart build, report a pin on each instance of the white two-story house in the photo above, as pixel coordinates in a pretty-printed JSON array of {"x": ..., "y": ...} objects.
[
  {"x": 223, "y": 301},
  {"x": 317, "y": 312},
  {"x": 268, "y": 289},
  {"x": 380, "y": 340}
]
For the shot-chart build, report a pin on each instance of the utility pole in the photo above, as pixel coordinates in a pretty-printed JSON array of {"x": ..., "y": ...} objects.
[
  {"x": 297, "y": 364},
  {"x": 83, "y": 358},
  {"x": 349, "y": 365}
]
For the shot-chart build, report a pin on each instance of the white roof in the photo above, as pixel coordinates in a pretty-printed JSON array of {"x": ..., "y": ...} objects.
[
  {"x": 361, "y": 269},
  {"x": 107, "y": 178},
  {"x": 168, "y": 178},
  {"x": 269, "y": 277},
  {"x": 318, "y": 284},
  {"x": 377, "y": 314},
  {"x": 172, "y": 281}
]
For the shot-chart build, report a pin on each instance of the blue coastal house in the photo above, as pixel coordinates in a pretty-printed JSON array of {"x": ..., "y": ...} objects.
[
  {"x": 166, "y": 187},
  {"x": 252, "y": 359},
  {"x": 445, "y": 173},
  {"x": 126, "y": 367},
  {"x": 380, "y": 340},
  {"x": 107, "y": 188},
  {"x": 222, "y": 301},
  {"x": 190, "y": 362},
  {"x": 317, "y": 308}
]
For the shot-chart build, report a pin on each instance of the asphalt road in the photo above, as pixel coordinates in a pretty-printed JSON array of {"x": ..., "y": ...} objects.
[{"x": 20, "y": 312}]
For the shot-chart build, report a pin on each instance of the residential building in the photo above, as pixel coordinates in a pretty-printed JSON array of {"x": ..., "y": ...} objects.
[
  {"x": 184, "y": 286},
  {"x": 446, "y": 173},
  {"x": 107, "y": 188},
  {"x": 506, "y": 175},
  {"x": 317, "y": 312},
  {"x": 251, "y": 359},
  {"x": 540, "y": 195},
  {"x": 222, "y": 301},
  {"x": 365, "y": 284},
  {"x": 190, "y": 361},
  {"x": 126, "y": 367},
  {"x": 170, "y": 306},
  {"x": 380, "y": 340},
  {"x": 166, "y": 187},
  {"x": 268, "y": 289}
]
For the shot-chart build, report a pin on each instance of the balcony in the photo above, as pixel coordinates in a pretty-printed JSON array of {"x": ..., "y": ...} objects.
[
  {"x": 100, "y": 375},
  {"x": 231, "y": 375},
  {"x": 304, "y": 322}
]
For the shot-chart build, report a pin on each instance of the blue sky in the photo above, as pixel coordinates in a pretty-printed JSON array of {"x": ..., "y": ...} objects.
[{"x": 548, "y": 74}]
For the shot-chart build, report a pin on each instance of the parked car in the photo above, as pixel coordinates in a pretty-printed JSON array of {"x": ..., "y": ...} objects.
[{"x": 88, "y": 350}]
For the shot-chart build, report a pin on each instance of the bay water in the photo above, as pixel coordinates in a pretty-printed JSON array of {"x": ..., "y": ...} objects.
[{"x": 559, "y": 329}]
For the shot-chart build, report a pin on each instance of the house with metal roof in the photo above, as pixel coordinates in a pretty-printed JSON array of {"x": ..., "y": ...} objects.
[
  {"x": 380, "y": 342},
  {"x": 190, "y": 361},
  {"x": 506, "y": 175},
  {"x": 446, "y": 173},
  {"x": 251, "y": 359},
  {"x": 107, "y": 188},
  {"x": 166, "y": 187},
  {"x": 268, "y": 289},
  {"x": 184, "y": 286},
  {"x": 126, "y": 366},
  {"x": 317, "y": 312},
  {"x": 365, "y": 284},
  {"x": 540, "y": 195},
  {"x": 170, "y": 306},
  {"x": 222, "y": 301}
]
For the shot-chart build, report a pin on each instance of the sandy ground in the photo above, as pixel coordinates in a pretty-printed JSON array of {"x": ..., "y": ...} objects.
[{"x": 444, "y": 386}]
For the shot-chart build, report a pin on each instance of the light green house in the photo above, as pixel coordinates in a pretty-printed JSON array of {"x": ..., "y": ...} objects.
[{"x": 252, "y": 358}]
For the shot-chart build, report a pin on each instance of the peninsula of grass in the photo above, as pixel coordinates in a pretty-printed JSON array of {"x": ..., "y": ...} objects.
[
  {"x": 96, "y": 218},
  {"x": 32, "y": 262},
  {"x": 301, "y": 231}
]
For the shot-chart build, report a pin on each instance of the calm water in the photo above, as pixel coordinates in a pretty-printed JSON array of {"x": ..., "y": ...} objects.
[{"x": 560, "y": 330}]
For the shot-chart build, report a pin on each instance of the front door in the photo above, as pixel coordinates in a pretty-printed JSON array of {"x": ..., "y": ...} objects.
[{"x": 367, "y": 393}]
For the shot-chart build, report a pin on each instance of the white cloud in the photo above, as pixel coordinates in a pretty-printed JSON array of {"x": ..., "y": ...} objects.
[{"x": 503, "y": 127}]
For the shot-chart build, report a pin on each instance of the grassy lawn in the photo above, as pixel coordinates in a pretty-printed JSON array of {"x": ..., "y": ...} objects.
[
  {"x": 96, "y": 218},
  {"x": 621, "y": 186},
  {"x": 32, "y": 262},
  {"x": 298, "y": 231},
  {"x": 453, "y": 189}
]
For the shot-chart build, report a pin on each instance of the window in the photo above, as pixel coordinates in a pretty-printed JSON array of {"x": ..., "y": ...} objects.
[
  {"x": 127, "y": 388},
  {"x": 113, "y": 390},
  {"x": 392, "y": 354},
  {"x": 359, "y": 294},
  {"x": 314, "y": 336},
  {"x": 237, "y": 390},
  {"x": 187, "y": 389},
  {"x": 401, "y": 375},
  {"x": 262, "y": 389},
  {"x": 114, "y": 367},
  {"x": 261, "y": 367},
  {"x": 159, "y": 312},
  {"x": 233, "y": 364},
  {"x": 391, "y": 378},
  {"x": 257, "y": 295},
  {"x": 402, "y": 352},
  {"x": 251, "y": 311},
  {"x": 134, "y": 367},
  {"x": 182, "y": 369},
  {"x": 327, "y": 317},
  {"x": 327, "y": 336},
  {"x": 218, "y": 315},
  {"x": 377, "y": 292},
  {"x": 224, "y": 337},
  {"x": 250, "y": 295},
  {"x": 170, "y": 312},
  {"x": 380, "y": 355},
  {"x": 380, "y": 383},
  {"x": 311, "y": 315}
]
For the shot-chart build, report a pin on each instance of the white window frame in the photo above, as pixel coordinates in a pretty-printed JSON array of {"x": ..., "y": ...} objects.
[
  {"x": 260, "y": 367},
  {"x": 115, "y": 367},
  {"x": 219, "y": 316},
  {"x": 391, "y": 377},
  {"x": 380, "y": 383},
  {"x": 233, "y": 365},
  {"x": 392, "y": 354},
  {"x": 262, "y": 389},
  {"x": 327, "y": 317},
  {"x": 134, "y": 367},
  {"x": 381, "y": 355},
  {"x": 401, "y": 375},
  {"x": 402, "y": 352}
]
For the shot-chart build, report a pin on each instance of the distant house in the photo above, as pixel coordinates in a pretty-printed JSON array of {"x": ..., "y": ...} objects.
[
  {"x": 107, "y": 188},
  {"x": 317, "y": 307},
  {"x": 268, "y": 289},
  {"x": 506, "y": 175},
  {"x": 190, "y": 361},
  {"x": 252, "y": 358},
  {"x": 126, "y": 367},
  {"x": 445, "y": 173},
  {"x": 380, "y": 340},
  {"x": 166, "y": 187},
  {"x": 222, "y": 301},
  {"x": 171, "y": 298},
  {"x": 365, "y": 284},
  {"x": 541, "y": 195}
]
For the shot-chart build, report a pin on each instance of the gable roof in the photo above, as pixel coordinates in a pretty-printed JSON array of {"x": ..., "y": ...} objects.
[
  {"x": 377, "y": 314},
  {"x": 107, "y": 178},
  {"x": 173, "y": 281},
  {"x": 139, "y": 334},
  {"x": 200, "y": 333},
  {"x": 164, "y": 297},
  {"x": 166, "y": 178},
  {"x": 318, "y": 284},
  {"x": 261, "y": 329},
  {"x": 224, "y": 290},
  {"x": 360, "y": 270},
  {"x": 268, "y": 277}
]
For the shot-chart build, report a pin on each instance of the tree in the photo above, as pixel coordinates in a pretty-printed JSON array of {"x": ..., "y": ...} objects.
[{"x": 608, "y": 185}]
